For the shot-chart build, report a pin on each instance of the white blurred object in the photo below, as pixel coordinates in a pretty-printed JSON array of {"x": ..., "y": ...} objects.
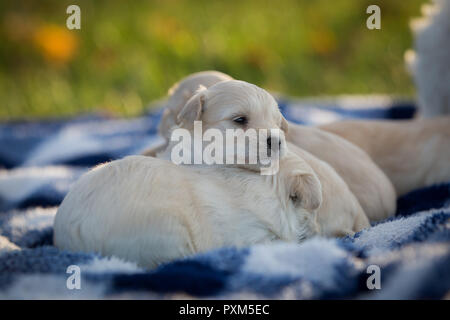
[
  {"x": 430, "y": 62},
  {"x": 6, "y": 245}
]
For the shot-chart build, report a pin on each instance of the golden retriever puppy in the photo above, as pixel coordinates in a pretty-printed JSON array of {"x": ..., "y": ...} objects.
[
  {"x": 239, "y": 112},
  {"x": 412, "y": 153},
  {"x": 363, "y": 177},
  {"x": 179, "y": 94},
  {"x": 340, "y": 213},
  {"x": 149, "y": 211},
  {"x": 236, "y": 104}
]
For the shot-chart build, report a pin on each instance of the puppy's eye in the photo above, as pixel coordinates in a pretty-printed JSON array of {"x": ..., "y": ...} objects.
[
  {"x": 241, "y": 120},
  {"x": 294, "y": 198}
]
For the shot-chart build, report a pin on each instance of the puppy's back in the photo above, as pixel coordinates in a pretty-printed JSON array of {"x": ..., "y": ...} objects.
[
  {"x": 412, "y": 153},
  {"x": 124, "y": 204},
  {"x": 365, "y": 179}
]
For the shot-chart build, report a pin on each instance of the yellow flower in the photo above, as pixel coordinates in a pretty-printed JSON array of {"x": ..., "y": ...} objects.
[{"x": 56, "y": 43}]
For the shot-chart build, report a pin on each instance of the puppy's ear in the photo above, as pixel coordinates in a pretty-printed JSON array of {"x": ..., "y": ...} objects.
[
  {"x": 305, "y": 190},
  {"x": 284, "y": 125},
  {"x": 192, "y": 110}
]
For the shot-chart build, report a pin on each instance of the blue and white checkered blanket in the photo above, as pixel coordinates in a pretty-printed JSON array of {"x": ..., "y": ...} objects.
[{"x": 40, "y": 161}]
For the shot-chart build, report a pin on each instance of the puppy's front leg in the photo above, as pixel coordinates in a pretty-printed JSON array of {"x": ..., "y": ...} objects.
[{"x": 343, "y": 233}]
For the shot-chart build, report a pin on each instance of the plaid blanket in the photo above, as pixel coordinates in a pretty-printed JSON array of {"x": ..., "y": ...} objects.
[{"x": 407, "y": 256}]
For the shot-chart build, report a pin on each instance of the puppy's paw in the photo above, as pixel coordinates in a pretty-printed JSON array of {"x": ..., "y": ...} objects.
[{"x": 344, "y": 233}]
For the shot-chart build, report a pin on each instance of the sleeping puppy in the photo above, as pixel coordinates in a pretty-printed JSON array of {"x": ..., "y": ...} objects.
[
  {"x": 150, "y": 211},
  {"x": 340, "y": 213},
  {"x": 412, "y": 153},
  {"x": 224, "y": 103},
  {"x": 365, "y": 179},
  {"x": 240, "y": 108},
  {"x": 179, "y": 94}
]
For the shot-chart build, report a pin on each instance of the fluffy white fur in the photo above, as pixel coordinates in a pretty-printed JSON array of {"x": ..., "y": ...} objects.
[
  {"x": 217, "y": 107},
  {"x": 369, "y": 184},
  {"x": 430, "y": 62},
  {"x": 340, "y": 213},
  {"x": 364, "y": 178},
  {"x": 412, "y": 153},
  {"x": 149, "y": 211}
]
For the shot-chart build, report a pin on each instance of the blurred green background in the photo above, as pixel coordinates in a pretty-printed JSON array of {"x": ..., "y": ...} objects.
[{"x": 129, "y": 53}]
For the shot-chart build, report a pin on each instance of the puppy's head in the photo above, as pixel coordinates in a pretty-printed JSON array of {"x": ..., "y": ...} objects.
[
  {"x": 181, "y": 92},
  {"x": 301, "y": 192},
  {"x": 245, "y": 114}
]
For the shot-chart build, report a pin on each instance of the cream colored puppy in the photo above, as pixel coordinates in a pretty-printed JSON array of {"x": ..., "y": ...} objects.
[
  {"x": 364, "y": 178},
  {"x": 222, "y": 104},
  {"x": 151, "y": 211},
  {"x": 238, "y": 107},
  {"x": 412, "y": 153},
  {"x": 340, "y": 213},
  {"x": 179, "y": 94}
]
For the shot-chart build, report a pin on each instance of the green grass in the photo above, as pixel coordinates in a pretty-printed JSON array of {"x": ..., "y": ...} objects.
[{"x": 129, "y": 53}]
